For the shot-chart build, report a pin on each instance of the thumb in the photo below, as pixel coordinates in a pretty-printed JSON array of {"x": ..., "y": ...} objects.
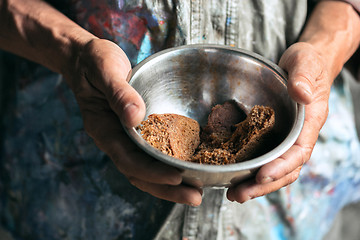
[
  {"x": 110, "y": 67},
  {"x": 304, "y": 67},
  {"x": 127, "y": 104}
]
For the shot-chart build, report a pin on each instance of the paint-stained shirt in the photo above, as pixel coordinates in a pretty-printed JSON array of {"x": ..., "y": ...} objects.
[{"x": 56, "y": 184}]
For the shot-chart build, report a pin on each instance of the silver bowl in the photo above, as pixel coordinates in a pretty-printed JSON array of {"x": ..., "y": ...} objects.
[{"x": 191, "y": 79}]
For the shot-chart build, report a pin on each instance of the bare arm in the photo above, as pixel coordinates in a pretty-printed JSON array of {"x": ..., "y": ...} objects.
[
  {"x": 334, "y": 30},
  {"x": 35, "y": 30}
]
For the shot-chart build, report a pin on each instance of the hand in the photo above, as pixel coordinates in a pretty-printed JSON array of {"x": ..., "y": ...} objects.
[
  {"x": 106, "y": 99},
  {"x": 309, "y": 84}
]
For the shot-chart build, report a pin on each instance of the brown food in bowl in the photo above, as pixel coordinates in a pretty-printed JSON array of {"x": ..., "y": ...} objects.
[
  {"x": 172, "y": 134},
  {"x": 229, "y": 136},
  {"x": 226, "y": 143}
]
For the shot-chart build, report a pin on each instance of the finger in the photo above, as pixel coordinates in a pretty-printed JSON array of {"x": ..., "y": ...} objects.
[
  {"x": 282, "y": 166},
  {"x": 301, "y": 151},
  {"x": 128, "y": 105},
  {"x": 304, "y": 67},
  {"x": 250, "y": 189},
  {"x": 137, "y": 164},
  {"x": 180, "y": 194}
]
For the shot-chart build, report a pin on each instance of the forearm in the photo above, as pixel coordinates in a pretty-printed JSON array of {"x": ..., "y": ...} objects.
[
  {"x": 35, "y": 30},
  {"x": 334, "y": 30}
]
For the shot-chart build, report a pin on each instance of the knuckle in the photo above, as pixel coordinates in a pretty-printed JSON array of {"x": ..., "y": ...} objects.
[
  {"x": 118, "y": 98},
  {"x": 305, "y": 154},
  {"x": 305, "y": 77},
  {"x": 241, "y": 196},
  {"x": 294, "y": 176},
  {"x": 138, "y": 184}
]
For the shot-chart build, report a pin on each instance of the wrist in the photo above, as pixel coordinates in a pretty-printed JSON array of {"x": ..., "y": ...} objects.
[
  {"x": 334, "y": 32},
  {"x": 71, "y": 49},
  {"x": 35, "y": 30}
]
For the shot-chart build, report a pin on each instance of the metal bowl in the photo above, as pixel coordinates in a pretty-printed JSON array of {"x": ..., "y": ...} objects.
[{"x": 191, "y": 79}]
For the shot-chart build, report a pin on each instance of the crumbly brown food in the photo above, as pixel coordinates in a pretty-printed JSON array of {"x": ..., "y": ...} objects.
[
  {"x": 229, "y": 136},
  {"x": 242, "y": 144},
  {"x": 221, "y": 122},
  {"x": 172, "y": 134}
]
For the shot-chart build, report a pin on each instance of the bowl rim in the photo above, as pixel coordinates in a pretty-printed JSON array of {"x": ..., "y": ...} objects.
[{"x": 235, "y": 167}]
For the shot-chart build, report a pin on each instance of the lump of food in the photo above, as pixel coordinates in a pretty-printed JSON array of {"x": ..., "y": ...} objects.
[
  {"x": 229, "y": 136},
  {"x": 238, "y": 142},
  {"x": 221, "y": 121},
  {"x": 172, "y": 134}
]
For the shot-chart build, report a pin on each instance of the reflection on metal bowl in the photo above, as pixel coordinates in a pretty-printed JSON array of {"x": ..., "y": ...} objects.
[{"x": 189, "y": 80}]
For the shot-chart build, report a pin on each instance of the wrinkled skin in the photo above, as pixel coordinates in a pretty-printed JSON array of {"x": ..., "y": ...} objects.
[
  {"x": 308, "y": 83},
  {"x": 331, "y": 36}
]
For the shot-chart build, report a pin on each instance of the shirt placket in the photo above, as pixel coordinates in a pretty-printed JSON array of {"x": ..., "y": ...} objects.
[
  {"x": 203, "y": 222},
  {"x": 195, "y": 20},
  {"x": 191, "y": 221},
  {"x": 232, "y": 23}
]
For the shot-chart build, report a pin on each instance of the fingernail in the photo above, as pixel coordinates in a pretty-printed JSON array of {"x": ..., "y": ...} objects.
[
  {"x": 267, "y": 180},
  {"x": 231, "y": 199},
  {"x": 247, "y": 199},
  {"x": 130, "y": 108},
  {"x": 201, "y": 192},
  {"x": 129, "y": 111},
  {"x": 132, "y": 181},
  {"x": 230, "y": 195},
  {"x": 305, "y": 88},
  {"x": 193, "y": 205},
  {"x": 175, "y": 180}
]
